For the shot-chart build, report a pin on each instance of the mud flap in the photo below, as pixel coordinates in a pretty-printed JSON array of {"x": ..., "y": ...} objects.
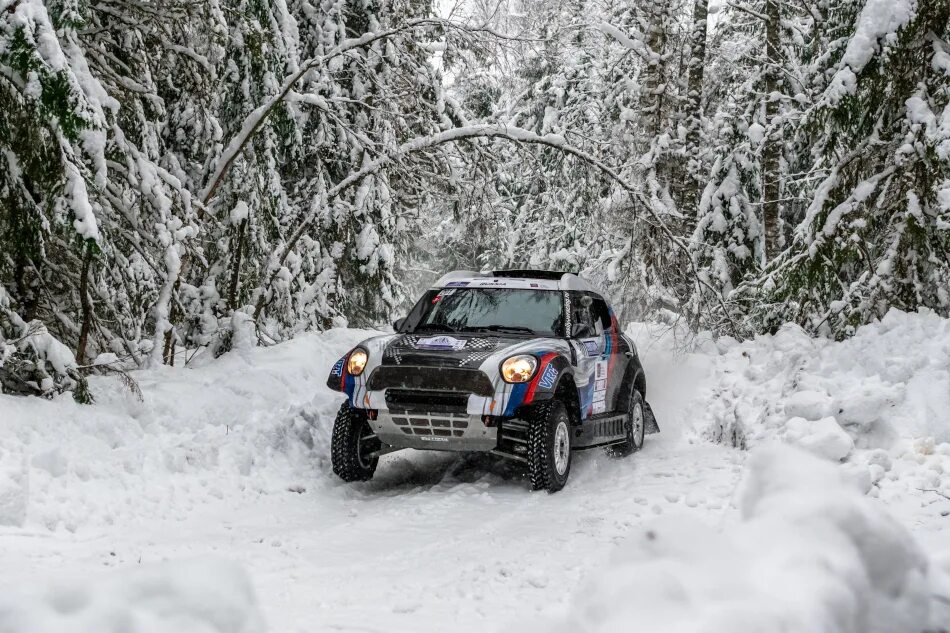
[{"x": 649, "y": 420}]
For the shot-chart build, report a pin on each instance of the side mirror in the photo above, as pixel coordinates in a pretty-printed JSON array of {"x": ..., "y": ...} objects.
[
  {"x": 581, "y": 330},
  {"x": 398, "y": 323}
]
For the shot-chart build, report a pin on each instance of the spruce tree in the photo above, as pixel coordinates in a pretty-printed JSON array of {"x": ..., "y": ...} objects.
[{"x": 876, "y": 233}]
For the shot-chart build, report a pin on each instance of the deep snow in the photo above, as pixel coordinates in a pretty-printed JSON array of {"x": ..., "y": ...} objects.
[{"x": 229, "y": 458}]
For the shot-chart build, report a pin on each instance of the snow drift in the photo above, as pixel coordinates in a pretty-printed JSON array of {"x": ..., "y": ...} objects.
[
  {"x": 202, "y": 596},
  {"x": 811, "y": 553},
  {"x": 890, "y": 381},
  {"x": 244, "y": 425},
  {"x": 878, "y": 402}
]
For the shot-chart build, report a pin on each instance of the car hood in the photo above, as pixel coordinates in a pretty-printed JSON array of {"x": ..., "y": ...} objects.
[{"x": 457, "y": 349}]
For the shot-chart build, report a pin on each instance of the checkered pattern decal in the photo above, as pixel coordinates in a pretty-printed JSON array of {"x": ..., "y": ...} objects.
[
  {"x": 475, "y": 358},
  {"x": 478, "y": 349}
]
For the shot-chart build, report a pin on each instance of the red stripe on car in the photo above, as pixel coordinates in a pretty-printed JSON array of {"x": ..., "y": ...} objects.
[{"x": 533, "y": 385}]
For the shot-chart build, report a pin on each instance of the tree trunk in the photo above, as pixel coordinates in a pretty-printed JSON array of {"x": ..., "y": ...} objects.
[
  {"x": 86, "y": 305},
  {"x": 697, "y": 64},
  {"x": 236, "y": 265},
  {"x": 686, "y": 186},
  {"x": 168, "y": 352},
  {"x": 652, "y": 89},
  {"x": 771, "y": 147}
]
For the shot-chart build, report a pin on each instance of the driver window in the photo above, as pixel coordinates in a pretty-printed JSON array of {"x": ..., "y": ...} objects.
[
  {"x": 600, "y": 314},
  {"x": 581, "y": 310}
]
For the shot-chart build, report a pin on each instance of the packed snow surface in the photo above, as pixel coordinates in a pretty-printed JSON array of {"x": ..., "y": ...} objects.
[
  {"x": 811, "y": 553},
  {"x": 196, "y": 596},
  {"x": 123, "y": 510}
]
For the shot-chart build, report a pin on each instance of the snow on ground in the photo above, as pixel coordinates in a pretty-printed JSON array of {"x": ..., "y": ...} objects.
[
  {"x": 197, "y": 596},
  {"x": 812, "y": 553},
  {"x": 229, "y": 459},
  {"x": 879, "y": 401}
]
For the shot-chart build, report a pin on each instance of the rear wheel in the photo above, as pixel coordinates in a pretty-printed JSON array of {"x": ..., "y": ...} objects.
[
  {"x": 353, "y": 445},
  {"x": 549, "y": 446},
  {"x": 635, "y": 429}
]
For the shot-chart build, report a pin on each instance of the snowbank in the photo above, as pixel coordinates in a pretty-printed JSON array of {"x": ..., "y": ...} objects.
[
  {"x": 204, "y": 596},
  {"x": 879, "y": 402},
  {"x": 811, "y": 553},
  {"x": 219, "y": 430},
  {"x": 890, "y": 381}
]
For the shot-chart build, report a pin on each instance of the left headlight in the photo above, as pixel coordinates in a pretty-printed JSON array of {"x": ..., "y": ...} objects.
[
  {"x": 356, "y": 363},
  {"x": 519, "y": 368}
]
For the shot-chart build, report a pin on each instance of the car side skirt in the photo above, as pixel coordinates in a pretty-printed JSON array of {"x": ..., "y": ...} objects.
[{"x": 600, "y": 431}]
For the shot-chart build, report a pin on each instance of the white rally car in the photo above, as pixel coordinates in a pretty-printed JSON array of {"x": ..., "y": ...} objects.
[{"x": 527, "y": 365}]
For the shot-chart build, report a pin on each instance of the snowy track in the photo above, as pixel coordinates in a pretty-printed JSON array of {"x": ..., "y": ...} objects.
[
  {"x": 219, "y": 461},
  {"x": 422, "y": 548}
]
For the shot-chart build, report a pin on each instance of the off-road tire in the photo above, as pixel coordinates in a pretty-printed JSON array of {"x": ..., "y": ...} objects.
[
  {"x": 633, "y": 443},
  {"x": 543, "y": 422},
  {"x": 350, "y": 445}
]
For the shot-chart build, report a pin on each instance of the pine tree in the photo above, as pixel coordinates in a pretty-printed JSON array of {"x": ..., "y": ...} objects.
[{"x": 876, "y": 234}]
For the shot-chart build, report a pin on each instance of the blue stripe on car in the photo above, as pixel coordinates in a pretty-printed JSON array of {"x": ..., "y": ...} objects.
[{"x": 516, "y": 398}]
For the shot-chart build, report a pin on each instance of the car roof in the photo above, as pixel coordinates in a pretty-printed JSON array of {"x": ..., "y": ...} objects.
[{"x": 539, "y": 279}]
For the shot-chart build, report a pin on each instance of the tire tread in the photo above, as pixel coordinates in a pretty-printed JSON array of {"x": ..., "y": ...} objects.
[
  {"x": 344, "y": 444},
  {"x": 540, "y": 443}
]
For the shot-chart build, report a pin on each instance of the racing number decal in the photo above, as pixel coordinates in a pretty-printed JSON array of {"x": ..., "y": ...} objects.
[{"x": 601, "y": 373}]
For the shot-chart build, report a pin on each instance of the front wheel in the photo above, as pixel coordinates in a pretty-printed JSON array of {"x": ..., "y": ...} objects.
[
  {"x": 549, "y": 446},
  {"x": 354, "y": 447},
  {"x": 635, "y": 429}
]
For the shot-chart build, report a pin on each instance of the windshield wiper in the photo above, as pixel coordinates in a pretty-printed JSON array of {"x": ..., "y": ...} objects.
[
  {"x": 518, "y": 329},
  {"x": 434, "y": 327}
]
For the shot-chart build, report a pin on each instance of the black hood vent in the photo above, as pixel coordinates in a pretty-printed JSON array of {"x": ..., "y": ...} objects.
[{"x": 405, "y": 350}]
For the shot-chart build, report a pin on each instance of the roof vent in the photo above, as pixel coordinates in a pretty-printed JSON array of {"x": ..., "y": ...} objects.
[{"x": 553, "y": 275}]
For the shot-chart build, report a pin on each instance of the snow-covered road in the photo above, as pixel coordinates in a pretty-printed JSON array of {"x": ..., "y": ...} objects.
[
  {"x": 433, "y": 543},
  {"x": 229, "y": 459}
]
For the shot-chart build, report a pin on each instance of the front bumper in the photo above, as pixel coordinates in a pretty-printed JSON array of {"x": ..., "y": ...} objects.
[{"x": 434, "y": 431}]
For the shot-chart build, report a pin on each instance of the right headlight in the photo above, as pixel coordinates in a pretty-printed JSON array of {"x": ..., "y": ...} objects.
[
  {"x": 356, "y": 363},
  {"x": 519, "y": 368}
]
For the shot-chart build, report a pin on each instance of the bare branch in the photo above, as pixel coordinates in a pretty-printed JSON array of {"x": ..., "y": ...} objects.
[{"x": 484, "y": 130}]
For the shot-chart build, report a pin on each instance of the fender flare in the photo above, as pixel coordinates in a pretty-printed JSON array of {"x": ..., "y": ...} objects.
[
  {"x": 573, "y": 395},
  {"x": 632, "y": 376}
]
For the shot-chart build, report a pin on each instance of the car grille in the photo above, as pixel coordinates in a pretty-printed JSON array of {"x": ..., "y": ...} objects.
[
  {"x": 451, "y": 379},
  {"x": 437, "y": 424},
  {"x": 414, "y": 401},
  {"x": 420, "y": 412}
]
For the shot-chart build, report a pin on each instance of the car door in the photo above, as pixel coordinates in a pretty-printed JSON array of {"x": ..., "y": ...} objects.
[
  {"x": 589, "y": 348},
  {"x": 613, "y": 358}
]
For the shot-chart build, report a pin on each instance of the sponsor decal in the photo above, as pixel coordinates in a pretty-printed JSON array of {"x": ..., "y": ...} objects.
[
  {"x": 338, "y": 367},
  {"x": 456, "y": 284},
  {"x": 506, "y": 282},
  {"x": 431, "y": 438},
  {"x": 441, "y": 343},
  {"x": 600, "y": 396},
  {"x": 598, "y": 407},
  {"x": 548, "y": 377},
  {"x": 592, "y": 347},
  {"x": 600, "y": 370},
  {"x": 600, "y": 385}
]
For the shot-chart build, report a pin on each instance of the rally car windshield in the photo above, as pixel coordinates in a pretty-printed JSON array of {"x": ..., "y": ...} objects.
[{"x": 500, "y": 310}]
